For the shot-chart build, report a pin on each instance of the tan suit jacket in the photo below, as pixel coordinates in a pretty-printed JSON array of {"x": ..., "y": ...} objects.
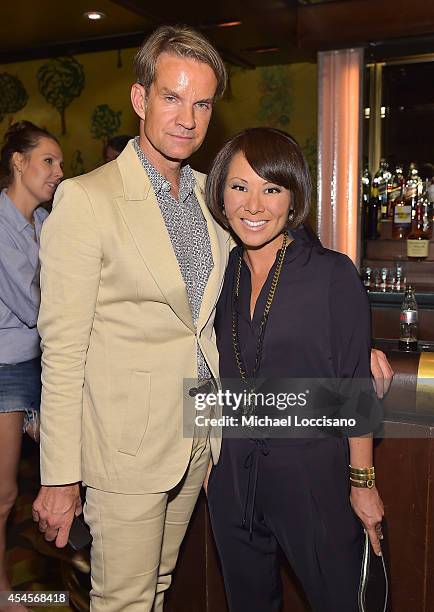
[{"x": 117, "y": 334}]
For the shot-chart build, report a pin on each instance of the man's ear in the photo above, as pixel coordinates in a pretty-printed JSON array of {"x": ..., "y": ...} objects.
[{"x": 138, "y": 99}]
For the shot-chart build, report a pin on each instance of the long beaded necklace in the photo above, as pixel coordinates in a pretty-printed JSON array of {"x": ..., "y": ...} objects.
[{"x": 248, "y": 408}]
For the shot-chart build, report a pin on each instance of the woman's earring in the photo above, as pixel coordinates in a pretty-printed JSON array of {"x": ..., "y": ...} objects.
[
  {"x": 290, "y": 215},
  {"x": 223, "y": 210}
]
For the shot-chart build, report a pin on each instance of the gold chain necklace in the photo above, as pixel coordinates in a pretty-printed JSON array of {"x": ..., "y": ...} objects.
[{"x": 264, "y": 319}]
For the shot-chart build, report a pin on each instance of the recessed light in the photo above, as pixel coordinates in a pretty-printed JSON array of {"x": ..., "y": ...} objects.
[{"x": 94, "y": 15}]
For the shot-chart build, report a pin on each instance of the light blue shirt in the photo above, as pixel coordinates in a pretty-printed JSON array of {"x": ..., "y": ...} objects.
[{"x": 19, "y": 282}]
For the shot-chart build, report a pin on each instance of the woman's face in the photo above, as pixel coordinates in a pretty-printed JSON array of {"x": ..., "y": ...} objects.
[
  {"x": 256, "y": 210},
  {"x": 41, "y": 170}
]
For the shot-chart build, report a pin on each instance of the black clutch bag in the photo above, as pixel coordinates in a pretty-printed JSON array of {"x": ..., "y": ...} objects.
[{"x": 374, "y": 583}]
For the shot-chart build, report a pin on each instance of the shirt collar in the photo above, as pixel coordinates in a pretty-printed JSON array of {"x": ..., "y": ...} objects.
[
  {"x": 302, "y": 244},
  {"x": 11, "y": 212},
  {"x": 159, "y": 182}
]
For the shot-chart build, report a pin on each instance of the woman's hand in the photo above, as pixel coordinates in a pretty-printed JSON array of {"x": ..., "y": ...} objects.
[
  {"x": 369, "y": 508},
  {"x": 381, "y": 371}
]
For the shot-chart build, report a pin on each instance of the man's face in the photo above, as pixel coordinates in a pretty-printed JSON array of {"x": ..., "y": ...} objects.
[{"x": 177, "y": 108}]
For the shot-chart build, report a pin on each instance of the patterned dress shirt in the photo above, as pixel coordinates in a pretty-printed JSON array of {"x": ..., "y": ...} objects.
[{"x": 189, "y": 236}]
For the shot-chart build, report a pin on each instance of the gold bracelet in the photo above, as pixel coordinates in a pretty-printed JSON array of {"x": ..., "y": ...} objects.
[
  {"x": 354, "y": 470},
  {"x": 362, "y": 477},
  {"x": 361, "y": 470},
  {"x": 367, "y": 484}
]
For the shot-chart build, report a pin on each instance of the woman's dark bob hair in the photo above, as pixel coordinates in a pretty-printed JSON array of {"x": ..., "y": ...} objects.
[{"x": 276, "y": 157}]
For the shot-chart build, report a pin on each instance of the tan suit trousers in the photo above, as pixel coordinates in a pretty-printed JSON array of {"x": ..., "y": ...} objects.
[{"x": 136, "y": 539}]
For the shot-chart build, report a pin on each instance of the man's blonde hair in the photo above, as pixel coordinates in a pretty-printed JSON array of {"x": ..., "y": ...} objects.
[{"x": 182, "y": 41}]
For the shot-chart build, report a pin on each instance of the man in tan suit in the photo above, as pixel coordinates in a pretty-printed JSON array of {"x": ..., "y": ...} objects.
[{"x": 131, "y": 267}]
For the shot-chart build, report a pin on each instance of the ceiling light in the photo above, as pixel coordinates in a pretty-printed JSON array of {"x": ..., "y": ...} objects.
[
  {"x": 94, "y": 15},
  {"x": 228, "y": 24}
]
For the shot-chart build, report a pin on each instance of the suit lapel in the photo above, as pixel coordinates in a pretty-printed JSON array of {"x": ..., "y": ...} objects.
[
  {"x": 219, "y": 248},
  {"x": 141, "y": 213}
]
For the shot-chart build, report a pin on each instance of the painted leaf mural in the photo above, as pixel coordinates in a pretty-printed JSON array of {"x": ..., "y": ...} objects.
[
  {"x": 77, "y": 163},
  {"x": 104, "y": 122},
  {"x": 13, "y": 95},
  {"x": 60, "y": 81},
  {"x": 275, "y": 104}
]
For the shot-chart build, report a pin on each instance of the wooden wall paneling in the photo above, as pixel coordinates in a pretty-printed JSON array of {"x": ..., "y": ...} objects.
[
  {"x": 429, "y": 579},
  {"x": 346, "y": 23},
  {"x": 402, "y": 466}
]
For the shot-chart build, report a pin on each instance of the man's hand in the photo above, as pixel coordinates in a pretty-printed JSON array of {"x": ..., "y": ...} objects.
[
  {"x": 54, "y": 509},
  {"x": 381, "y": 371}
]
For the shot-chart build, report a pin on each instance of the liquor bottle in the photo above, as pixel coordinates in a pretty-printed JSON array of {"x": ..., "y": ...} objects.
[
  {"x": 428, "y": 209},
  {"x": 418, "y": 240},
  {"x": 382, "y": 181},
  {"x": 366, "y": 192},
  {"x": 395, "y": 189},
  {"x": 366, "y": 185},
  {"x": 374, "y": 216},
  {"x": 401, "y": 216},
  {"x": 408, "y": 321},
  {"x": 413, "y": 188},
  {"x": 430, "y": 190}
]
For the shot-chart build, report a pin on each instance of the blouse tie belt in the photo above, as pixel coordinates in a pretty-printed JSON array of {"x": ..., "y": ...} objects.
[{"x": 251, "y": 463}]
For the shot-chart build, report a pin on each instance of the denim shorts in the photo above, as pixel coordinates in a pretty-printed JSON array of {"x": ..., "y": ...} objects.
[{"x": 20, "y": 386}]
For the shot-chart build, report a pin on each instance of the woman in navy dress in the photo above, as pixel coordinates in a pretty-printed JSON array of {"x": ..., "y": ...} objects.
[{"x": 289, "y": 308}]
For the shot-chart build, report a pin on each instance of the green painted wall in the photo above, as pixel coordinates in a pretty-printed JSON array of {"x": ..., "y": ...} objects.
[{"x": 85, "y": 99}]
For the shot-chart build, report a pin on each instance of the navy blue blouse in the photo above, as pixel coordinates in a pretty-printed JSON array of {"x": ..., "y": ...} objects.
[{"x": 319, "y": 323}]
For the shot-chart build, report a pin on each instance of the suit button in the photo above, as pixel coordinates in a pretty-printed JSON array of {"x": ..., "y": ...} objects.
[{"x": 193, "y": 392}]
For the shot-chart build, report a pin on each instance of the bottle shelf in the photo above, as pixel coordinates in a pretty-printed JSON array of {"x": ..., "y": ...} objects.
[
  {"x": 394, "y": 250},
  {"x": 418, "y": 273},
  {"x": 393, "y": 299}
]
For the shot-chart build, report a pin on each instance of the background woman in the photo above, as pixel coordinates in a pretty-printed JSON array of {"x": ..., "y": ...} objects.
[
  {"x": 30, "y": 169},
  {"x": 288, "y": 308}
]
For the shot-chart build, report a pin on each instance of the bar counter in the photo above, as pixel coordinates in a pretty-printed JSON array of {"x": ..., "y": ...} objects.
[{"x": 385, "y": 310}]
